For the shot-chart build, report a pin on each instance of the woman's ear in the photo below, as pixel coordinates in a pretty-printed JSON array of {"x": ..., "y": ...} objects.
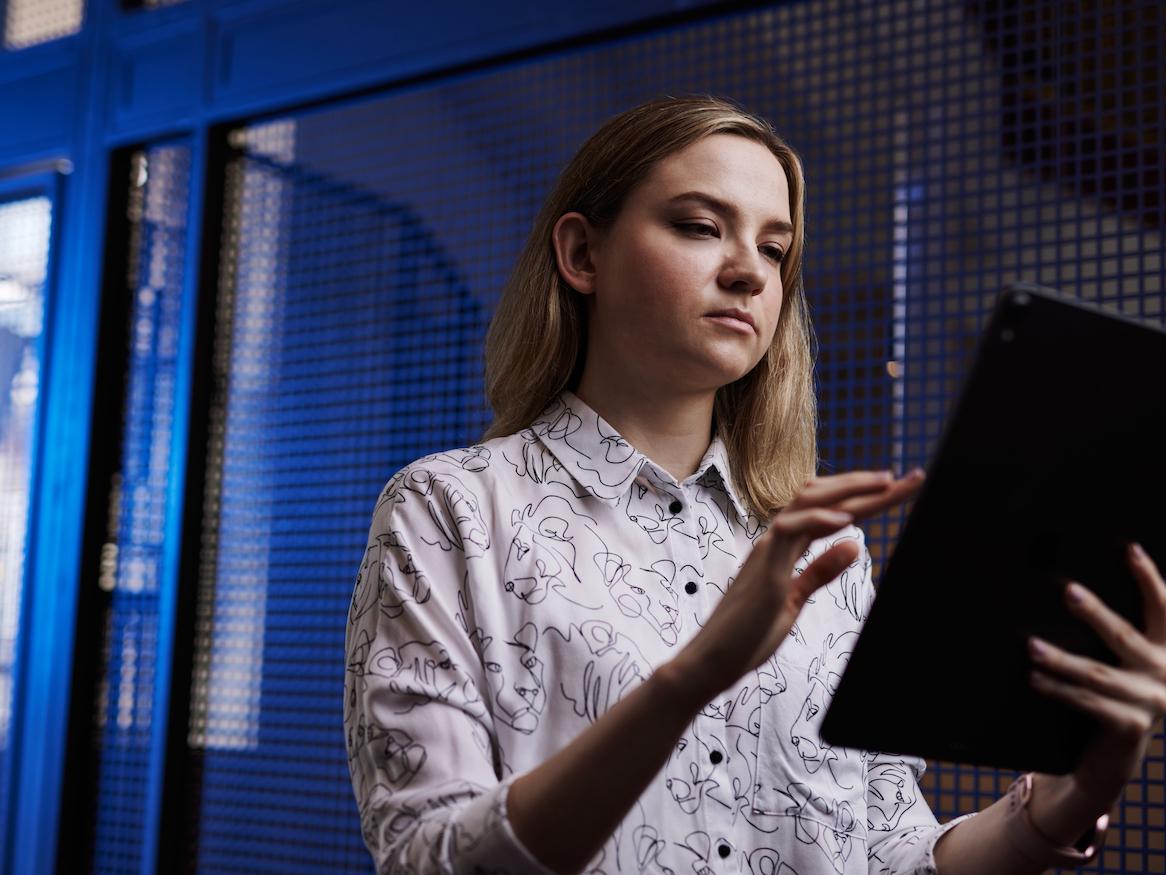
[{"x": 575, "y": 240}]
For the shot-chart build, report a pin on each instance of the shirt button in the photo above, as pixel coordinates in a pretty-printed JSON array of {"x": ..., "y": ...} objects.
[
  {"x": 690, "y": 587},
  {"x": 724, "y": 851},
  {"x": 716, "y": 757},
  {"x": 675, "y": 506}
]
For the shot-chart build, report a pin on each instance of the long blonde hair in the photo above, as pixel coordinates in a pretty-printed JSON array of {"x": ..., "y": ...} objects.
[{"x": 537, "y": 339}]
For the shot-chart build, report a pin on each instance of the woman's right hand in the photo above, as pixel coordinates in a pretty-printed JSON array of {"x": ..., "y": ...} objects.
[{"x": 758, "y": 610}]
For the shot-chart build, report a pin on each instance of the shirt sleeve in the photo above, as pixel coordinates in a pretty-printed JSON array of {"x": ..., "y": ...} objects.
[
  {"x": 422, "y": 750},
  {"x": 901, "y": 828}
]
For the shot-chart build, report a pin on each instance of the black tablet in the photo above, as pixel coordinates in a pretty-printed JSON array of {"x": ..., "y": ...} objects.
[{"x": 1052, "y": 458}]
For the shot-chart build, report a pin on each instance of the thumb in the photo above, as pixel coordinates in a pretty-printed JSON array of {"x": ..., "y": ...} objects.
[{"x": 825, "y": 568}]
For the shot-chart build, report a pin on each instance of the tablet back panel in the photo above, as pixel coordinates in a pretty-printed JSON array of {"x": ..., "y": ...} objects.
[{"x": 1052, "y": 459}]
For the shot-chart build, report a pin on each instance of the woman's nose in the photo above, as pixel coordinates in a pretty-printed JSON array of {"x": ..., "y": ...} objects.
[{"x": 744, "y": 269}]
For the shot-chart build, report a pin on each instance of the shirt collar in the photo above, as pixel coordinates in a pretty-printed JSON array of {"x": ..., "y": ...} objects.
[{"x": 605, "y": 464}]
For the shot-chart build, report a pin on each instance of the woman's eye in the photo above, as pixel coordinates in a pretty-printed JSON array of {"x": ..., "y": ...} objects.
[
  {"x": 693, "y": 226},
  {"x": 775, "y": 253}
]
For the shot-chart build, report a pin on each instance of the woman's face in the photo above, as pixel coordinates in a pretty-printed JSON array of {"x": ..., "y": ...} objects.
[{"x": 672, "y": 257}]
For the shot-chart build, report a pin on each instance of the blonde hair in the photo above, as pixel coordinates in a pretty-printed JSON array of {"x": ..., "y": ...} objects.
[{"x": 537, "y": 339}]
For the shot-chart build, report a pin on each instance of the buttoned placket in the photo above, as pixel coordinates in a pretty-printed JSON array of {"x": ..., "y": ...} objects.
[
  {"x": 712, "y": 760},
  {"x": 710, "y": 724}
]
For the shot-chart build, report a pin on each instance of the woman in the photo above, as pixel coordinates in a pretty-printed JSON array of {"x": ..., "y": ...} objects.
[{"x": 603, "y": 638}]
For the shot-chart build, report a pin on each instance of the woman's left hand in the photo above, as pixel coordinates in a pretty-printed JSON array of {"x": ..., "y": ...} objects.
[{"x": 1128, "y": 699}]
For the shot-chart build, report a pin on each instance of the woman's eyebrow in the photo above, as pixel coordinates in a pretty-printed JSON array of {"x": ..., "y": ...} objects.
[{"x": 727, "y": 208}]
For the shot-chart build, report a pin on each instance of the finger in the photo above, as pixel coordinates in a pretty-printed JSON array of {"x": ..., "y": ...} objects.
[
  {"x": 793, "y": 530},
  {"x": 897, "y": 493},
  {"x": 1116, "y": 683},
  {"x": 1123, "y": 638},
  {"x": 833, "y": 488},
  {"x": 1153, "y": 588},
  {"x": 863, "y": 499},
  {"x": 826, "y": 567},
  {"x": 813, "y": 522},
  {"x": 1126, "y": 720},
  {"x": 790, "y": 522}
]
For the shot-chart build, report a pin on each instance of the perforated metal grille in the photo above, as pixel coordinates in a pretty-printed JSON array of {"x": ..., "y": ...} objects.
[{"x": 132, "y": 556}]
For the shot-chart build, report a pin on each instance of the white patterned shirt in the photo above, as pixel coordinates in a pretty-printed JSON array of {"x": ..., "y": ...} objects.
[{"x": 514, "y": 590}]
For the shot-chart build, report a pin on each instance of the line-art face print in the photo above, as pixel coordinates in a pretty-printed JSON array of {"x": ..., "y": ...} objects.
[
  {"x": 707, "y": 856},
  {"x": 710, "y": 535},
  {"x": 433, "y": 834},
  {"x": 891, "y": 792},
  {"x": 824, "y": 673},
  {"x": 663, "y": 608},
  {"x": 653, "y": 518},
  {"x": 700, "y": 770},
  {"x": 770, "y": 679},
  {"x": 359, "y": 647},
  {"x": 518, "y": 699},
  {"x": 615, "y": 667},
  {"x": 826, "y": 824},
  {"x": 449, "y": 500},
  {"x": 533, "y": 461},
  {"x": 542, "y": 556},
  {"x": 399, "y": 756},
  {"x": 402, "y": 758},
  {"x": 848, "y": 590},
  {"x": 616, "y": 451},
  {"x": 420, "y": 672},
  {"x": 559, "y": 425},
  {"x": 635, "y": 846},
  {"x": 767, "y": 861},
  {"x": 388, "y": 579},
  {"x": 634, "y": 600},
  {"x": 472, "y": 459}
]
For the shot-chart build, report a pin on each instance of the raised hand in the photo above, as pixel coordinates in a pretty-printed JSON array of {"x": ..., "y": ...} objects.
[
  {"x": 759, "y": 608},
  {"x": 1128, "y": 699}
]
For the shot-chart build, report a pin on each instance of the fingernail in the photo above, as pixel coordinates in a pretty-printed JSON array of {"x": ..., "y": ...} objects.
[
  {"x": 918, "y": 473},
  {"x": 1075, "y": 593},
  {"x": 1137, "y": 553},
  {"x": 1038, "y": 647}
]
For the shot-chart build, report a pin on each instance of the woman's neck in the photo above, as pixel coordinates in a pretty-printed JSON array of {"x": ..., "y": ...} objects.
[{"x": 671, "y": 430}]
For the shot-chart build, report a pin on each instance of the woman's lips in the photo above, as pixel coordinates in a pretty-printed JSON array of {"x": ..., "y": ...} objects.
[{"x": 736, "y": 324}]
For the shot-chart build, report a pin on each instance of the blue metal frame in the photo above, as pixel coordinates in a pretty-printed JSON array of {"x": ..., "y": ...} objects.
[
  {"x": 27, "y": 696},
  {"x": 71, "y": 337}
]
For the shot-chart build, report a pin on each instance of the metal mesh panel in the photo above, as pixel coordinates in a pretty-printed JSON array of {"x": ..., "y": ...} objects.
[
  {"x": 365, "y": 245},
  {"x": 25, "y": 227},
  {"x": 308, "y": 382},
  {"x": 29, "y": 22},
  {"x": 131, "y": 557}
]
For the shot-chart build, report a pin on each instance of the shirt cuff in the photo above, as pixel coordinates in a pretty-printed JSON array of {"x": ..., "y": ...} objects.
[
  {"x": 901, "y": 855},
  {"x": 511, "y": 847}
]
